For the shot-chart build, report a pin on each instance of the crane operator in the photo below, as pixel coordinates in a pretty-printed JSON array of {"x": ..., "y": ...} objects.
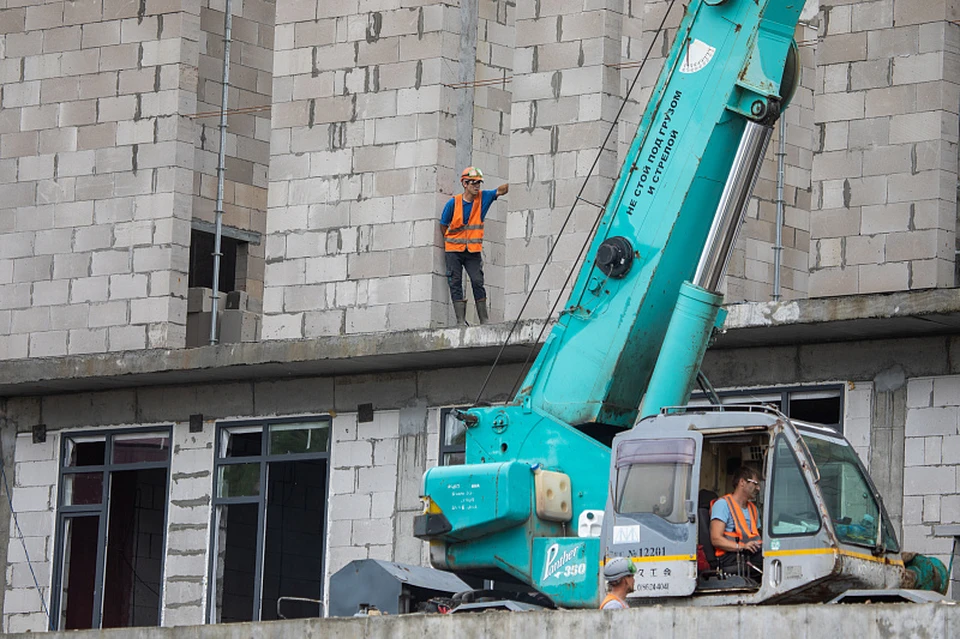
[{"x": 735, "y": 525}]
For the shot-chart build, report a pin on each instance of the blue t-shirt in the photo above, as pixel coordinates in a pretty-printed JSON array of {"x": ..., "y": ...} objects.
[
  {"x": 486, "y": 199},
  {"x": 722, "y": 512}
]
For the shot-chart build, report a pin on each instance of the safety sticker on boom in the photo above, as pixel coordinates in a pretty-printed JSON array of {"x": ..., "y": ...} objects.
[{"x": 697, "y": 56}]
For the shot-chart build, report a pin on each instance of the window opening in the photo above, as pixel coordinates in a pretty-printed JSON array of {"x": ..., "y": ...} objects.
[
  {"x": 201, "y": 261},
  {"x": 453, "y": 438},
  {"x": 110, "y": 529},
  {"x": 269, "y": 519},
  {"x": 821, "y": 405}
]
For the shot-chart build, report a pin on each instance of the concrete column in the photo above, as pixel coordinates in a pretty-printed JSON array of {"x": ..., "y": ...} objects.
[
  {"x": 887, "y": 441},
  {"x": 885, "y": 170}
]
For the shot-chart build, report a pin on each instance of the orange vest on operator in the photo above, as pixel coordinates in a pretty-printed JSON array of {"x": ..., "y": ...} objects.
[
  {"x": 612, "y": 597},
  {"x": 742, "y": 531},
  {"x": 465, "y": 237}
]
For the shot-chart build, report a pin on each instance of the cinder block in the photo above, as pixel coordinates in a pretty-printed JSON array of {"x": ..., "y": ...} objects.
[
  {"x": 51, "y": 293},
  {"x": 919, "y": 480},
  {"x": 127, "y": 338},
  {"x": 108, "y": 314},
  {"x": 372, "y": 531},
  {"x": 110, "y": 262},
  {"x": 200, "y": 300},
  {"x": 83, "y": 340},
  {"x": 239, "y": 326},
  {"x": 88, "y": 289},
  {"x": 920, "y": 393},
  {"x": 198, "y": 329},
  {"x": 128, "y": 286},
  {"x": 946, "y": 391},
  {"x": 932, "y": 447},
  {"x": 99, "y": 34},
  {"x": 48, "y": 344},
  {"x": 349, "y": 507}
]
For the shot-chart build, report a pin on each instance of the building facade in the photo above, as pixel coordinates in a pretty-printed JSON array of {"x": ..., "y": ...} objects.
[{"x": 158, "y": 479}]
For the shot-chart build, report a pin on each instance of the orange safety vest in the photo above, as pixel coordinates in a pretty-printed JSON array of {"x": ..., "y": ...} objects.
[
  {"x": 612, "y": 597},
  {"x": 467, "y": 236},
  {"x": 741, "y": 531}
]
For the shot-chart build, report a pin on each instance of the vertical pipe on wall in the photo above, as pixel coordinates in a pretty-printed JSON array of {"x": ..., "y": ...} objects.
[{"x": 221, "y": 168}]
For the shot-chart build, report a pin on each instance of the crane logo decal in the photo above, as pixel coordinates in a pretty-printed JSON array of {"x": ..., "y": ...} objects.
[
  {"x": 697, "y": 56},
  {"x": 557, "y": 564}
]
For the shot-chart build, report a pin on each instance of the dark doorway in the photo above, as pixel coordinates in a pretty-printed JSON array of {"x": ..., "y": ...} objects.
[
  {"x": 293, "y": 554},
  {"x": 134, "y": 548}
]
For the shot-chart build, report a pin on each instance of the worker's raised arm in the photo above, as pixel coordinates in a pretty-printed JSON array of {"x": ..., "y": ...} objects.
[{"x": 502, "y": 189}]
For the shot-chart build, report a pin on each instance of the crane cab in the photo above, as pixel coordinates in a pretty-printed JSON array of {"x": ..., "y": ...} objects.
[{"x": 823, "y": 524}]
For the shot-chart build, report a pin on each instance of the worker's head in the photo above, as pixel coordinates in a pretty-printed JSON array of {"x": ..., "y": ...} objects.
[
  {"x": 747, "y": 480},
  {"x": 471, "y": 179},
  {"x": 619, "y": 571}
]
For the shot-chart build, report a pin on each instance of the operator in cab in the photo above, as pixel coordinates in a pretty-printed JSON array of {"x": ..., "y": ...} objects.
[
  {"x": 735, "y": 526},
  {"x": 618, "y": 574}
]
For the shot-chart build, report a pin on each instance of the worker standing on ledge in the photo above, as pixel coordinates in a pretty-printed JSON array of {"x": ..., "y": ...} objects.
[
  {"x": 618, "y": 573},
  {"x": 462, "y": 226}
]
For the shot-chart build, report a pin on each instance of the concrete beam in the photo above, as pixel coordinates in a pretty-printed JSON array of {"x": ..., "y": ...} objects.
[{"x": 781, "y": 324}]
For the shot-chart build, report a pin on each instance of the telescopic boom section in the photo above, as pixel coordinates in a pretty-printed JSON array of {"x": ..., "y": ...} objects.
[{"x": 724, "y": 70}]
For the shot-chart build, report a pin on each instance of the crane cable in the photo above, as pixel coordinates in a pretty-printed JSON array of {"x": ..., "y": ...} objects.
[{"x": 566, "y": 221}]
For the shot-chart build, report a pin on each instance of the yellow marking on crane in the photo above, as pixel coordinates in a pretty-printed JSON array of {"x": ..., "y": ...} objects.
[{"x": 832, "y": 551}]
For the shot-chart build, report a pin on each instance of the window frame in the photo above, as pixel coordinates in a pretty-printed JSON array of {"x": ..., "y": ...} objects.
[
  {"x": 101, "y": 510},
  {"x": 264, "y": 459},
  {"x": 774, "y": 467},
  {"x": 449, "y": 449},
  {"x": 786, "y": 395}
]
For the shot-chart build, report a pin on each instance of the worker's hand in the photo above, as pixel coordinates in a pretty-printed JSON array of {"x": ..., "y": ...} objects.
[{"x": 752, "y": 546}]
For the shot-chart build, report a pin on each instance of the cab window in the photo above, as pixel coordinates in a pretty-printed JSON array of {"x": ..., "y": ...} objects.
[
  {"x": 654, "y": 476},
  {"x": 848, "y": 495},
  {"x": 792, "y": 509}
]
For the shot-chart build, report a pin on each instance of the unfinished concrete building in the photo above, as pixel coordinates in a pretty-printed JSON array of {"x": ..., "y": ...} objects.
[{"x": 156, "y": 479}]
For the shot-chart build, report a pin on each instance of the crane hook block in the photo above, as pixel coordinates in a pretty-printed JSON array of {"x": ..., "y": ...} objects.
[{"x": 615, "y": 256}]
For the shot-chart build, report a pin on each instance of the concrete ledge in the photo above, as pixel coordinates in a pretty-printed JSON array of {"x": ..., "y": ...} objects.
[
  {"x": 858, "y": 317},
  {"x": 863, "y": 621},
  {"x": 338, "y": 355},
  {"x": 852, "y": 317}
]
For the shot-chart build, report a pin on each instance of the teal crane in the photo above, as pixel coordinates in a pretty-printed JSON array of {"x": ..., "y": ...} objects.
[{"x": 632, "y": 335}]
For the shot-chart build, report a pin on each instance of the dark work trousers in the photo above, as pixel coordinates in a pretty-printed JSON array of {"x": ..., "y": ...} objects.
[
  {"x": 457, "y": 261},
  {"x": 737, "y": 563}
]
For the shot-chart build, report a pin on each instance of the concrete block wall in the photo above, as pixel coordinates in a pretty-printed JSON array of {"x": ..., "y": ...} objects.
[
  {"x": 565, "y": 96},
  {"x": 94, "y": 170},
  {"x": 883, "y": 215},
  {"x": 361, "y": 144},
  {"x": 33, "y": 490},
  {"x": 363, "y": 489},
  {"x": 248, "y": 131},
  {"x": 931, "y": 483}
]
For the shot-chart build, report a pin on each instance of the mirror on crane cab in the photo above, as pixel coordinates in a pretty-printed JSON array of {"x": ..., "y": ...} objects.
[{"x": 822, "y": 525}]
